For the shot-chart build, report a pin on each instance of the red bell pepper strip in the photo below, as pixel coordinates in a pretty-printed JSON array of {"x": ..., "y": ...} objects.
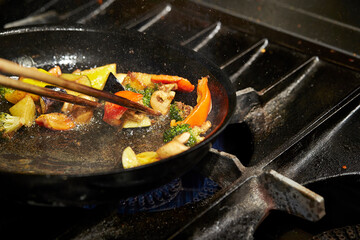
[
  {"x": 114, "y": 112},
  {"x": 183, "y": 84},
  {"x": 200, "y": 112}
]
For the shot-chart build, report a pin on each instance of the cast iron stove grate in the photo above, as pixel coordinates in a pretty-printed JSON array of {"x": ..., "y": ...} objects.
[{"x": 297, "y": 118}]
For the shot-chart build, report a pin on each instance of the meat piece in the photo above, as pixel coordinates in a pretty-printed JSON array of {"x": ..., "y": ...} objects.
[{"x": 185, "y": 110}]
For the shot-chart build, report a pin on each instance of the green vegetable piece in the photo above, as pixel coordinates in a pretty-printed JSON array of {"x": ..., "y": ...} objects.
[
  {"x": 9, "y": 124},
  {"x": 147, "y": 92},
  {"x": 172, "y": 132},
  {"x": 175, "y": 113},
  {"x": 147, "y": 95},
  {"x": 129, "y": 88},
  {"x": 5, "y": 90}
]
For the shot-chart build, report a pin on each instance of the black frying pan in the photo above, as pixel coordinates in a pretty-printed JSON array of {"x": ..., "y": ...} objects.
[{"x": 81, "y": 167}]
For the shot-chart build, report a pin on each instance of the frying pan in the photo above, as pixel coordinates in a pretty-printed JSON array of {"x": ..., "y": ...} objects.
[{"x": 40, "y": 166}]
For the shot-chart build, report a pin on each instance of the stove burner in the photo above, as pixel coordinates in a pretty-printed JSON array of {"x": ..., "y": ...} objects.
[
  {"x": 152, "y": 199},
  {"x": 190, "y": 188}
]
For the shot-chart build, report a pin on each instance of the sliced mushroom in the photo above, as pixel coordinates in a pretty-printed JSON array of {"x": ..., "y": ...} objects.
[
  {"x": 175, "y": 146},
  {"x": 168, "y": 87},
  {"x": 161, "y": 100}
]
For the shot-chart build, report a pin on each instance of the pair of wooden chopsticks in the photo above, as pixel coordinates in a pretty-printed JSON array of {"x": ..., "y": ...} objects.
[{"x": 10, "y": 67}]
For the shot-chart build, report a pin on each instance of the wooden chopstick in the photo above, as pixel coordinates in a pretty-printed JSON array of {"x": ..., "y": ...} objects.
[
  {"x": 14, "y": 68},
  {"x": 19, "y": 85}
]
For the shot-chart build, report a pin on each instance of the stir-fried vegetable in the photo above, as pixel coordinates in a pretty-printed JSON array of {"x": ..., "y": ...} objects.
[
  {"x": 55, "y": 121},
  {"x": 48, "y": 105},
  {"x": 114, "y": 112},
  {"x": 9, "y": 124},
  {"x": 174, "y": 131},
  {"x": 161, "y": 101},
  {"x": 4, "y": 91},
  {"x": 187, "y": 123},
  {"x": 179, "y": 111},
  {"x": 137, "y": 81},
  {"x": 113, "y": 84},
  {"x": 175, "y": 113},
  {"x": 200, "y": 112},
  {"x": 56, "y": 71},
  {"x": 147, "y": 92},
  {"x": 195, "y": 133},
  {"x": 175, "y": 146},
  {"x": 99, "y": 75},
  {"x": 183, "y": 84},
  {"x": 35, "y": 82},
  {"x": 130, "y": 159},
  {"x": 25, "y": 109}
]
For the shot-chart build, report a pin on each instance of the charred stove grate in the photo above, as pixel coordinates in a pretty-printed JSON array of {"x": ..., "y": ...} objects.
[
  {"x": 297, "y": 101},
  {"x": 189, "y": 189}
]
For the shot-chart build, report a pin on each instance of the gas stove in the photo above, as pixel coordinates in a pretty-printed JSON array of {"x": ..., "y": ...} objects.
[{"x": 286, "y": 168}]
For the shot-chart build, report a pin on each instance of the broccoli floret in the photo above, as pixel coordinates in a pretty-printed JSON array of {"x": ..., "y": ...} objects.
[
  {"x": 5, "y": 90},
  {"x": 147, "y": 95},
  {"x": 196, "y": 132},
  {"x": 147, "y": 92},
  {"x": 9, "y": 124},
  {"x": 129, "y": 88},
  {"x": 175, "y": 113},
  {"x": 172, "y": 132}
]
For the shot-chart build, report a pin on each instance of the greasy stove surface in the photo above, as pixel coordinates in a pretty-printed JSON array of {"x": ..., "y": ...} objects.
[{"x": 297, "y": 77}]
